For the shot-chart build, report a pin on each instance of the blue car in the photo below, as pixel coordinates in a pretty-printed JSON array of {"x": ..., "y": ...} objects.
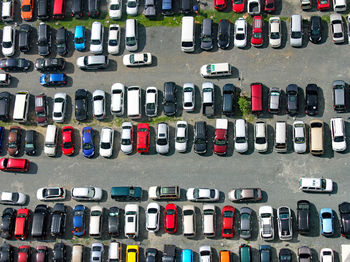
[
  {"x": 88, "y": 142},
  {"x": 79, "y": 38},
  {"x": 265, "y": 253},
  {"x": 186, "y": 255},
  {"x": 326, "y": 220},
  {"x": 79, "y": 221},
  {"x": 2, "y": 132},
  {"x": 53, "y": 79}
]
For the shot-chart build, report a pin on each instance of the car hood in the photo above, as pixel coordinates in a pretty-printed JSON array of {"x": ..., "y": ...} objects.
[
  {"x": 169, "y": 108},
  {"x": 180, "y": 146},
  {"x": 241, "y": 147},
  {"x": 300, "y": 148},
  {"x": 162, "y": 149},
  {"x": 200, "y": 147},
  {"x": 127, "y": 149},
  {"x": 43, "y": 50}
]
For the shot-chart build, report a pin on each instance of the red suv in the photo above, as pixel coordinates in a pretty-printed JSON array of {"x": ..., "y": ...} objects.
[
  {"x": 41, "y": 109},
  {"x": 170, "y": 218},
  {"x": 14, "y": 165},
  {"x": 68, "y": 140},
  {"x": 323, "y": 5},
  {"x": 238, "y": 6},
  {"x": 220, "y": 4},
  {"x": 228, "y": 221},
  {"x": 21, "y": 225},
  {"x": 257, "y": 32},
  {"x": 142, "y": 138}
]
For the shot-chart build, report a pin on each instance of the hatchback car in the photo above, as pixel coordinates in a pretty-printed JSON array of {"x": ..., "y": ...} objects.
[
  {"x": 339, "y": 96},
  {"x": 238, "y": 6},
  {"x": 23, "y": 253},
  {"x": 285, "y": 255},
  {"x": 81, "y": 104},
  {"x": 51, "y": 193},
  {"x": 68, "y": 140},
  {"x": 127, "y": 138},
  {"x": 8, "y": 40},
  {"x": 292, "y": 99},
  {"x": 220, "y": 4},
  {"x": 162, "y": 142},
  {"x": 117, "y": 99},
  {"x": 257, "y": 31},
  {"x": 92, "y": 62},
  {"x": 99, "y": 104},
  {"x": 80, "y": 38},
  {"x": 304, "y": 254},
  {"x": 274, "y": 100},
  {"x": 143, "y": 137},
  {"x": 228, "y": 222},
  {"x": 49, "y": 64},
  {"x": 299, "y": 137},
  {"x": 14, "y": 141},
  {"x": 224, "y": 33},
  {"x": 245, "y": 223},
  {"x": 189, "y": 97},
  {"x": 132, "y": 253},
  {"x": 327, "y": 222},
  {"x": 245, "y": 194},
  {"x": 115, "y": 9},
  {"x": 337, "y": 28},
  {"x": 181, "y": 136},
  {"x": 132, "y": 7},
  {"x": 14, "y": 64},
  {"x": 169, "y": 99},
  {"x": 113, "y": 39},
  {"x": 275, "y": 32},
  {"x": 241, "y": 136},
  {"x": 152, "y": 217},
  {"x": 12, "y": 198},
  {"x": 202, "y": 194},
  {"x": 59, "y": 107},
  {"x": 41, "y": 254},
  {"x": 27, "y": 8},
  {"x": 53, "y": 79},
  {"x": 96, "y": 253},
  {"x": 326, "y": 254},
  {"x": 14, "y": 165},
  {"x": 240, "y": 33},
  {"x": 87, "y": 193},
  {"x": 205, "y": 254},
  {"x": 170, "y": 218},
  {"x": 265, "y": 253},
  {"x": 284, "y": 220},
  {"x": 41, "y": 109},
  {"x": 151, "y": 103},
  {"x": 311, "y": 101},
  {"x": 323, "y": 5},
  {"x": 344, "y": 210},
  {"x": 106, "y": 142},
  {"x": 315, "y": 29},
  {"x": 88, "y": 144}
]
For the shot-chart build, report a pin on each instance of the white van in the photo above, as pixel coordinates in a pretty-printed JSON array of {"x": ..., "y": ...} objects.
[
  {"x": 95, "y": 227},
  {"x": 96, "y": 43},
  {"x": 281, "y": 137},
  {"x": 339, "y": 5},
  {"x": 338, "y": 134},
  {"x": 7, "y": 11},
  {"x": 131, "y": 226},
  {"x": 134, "y": 102},
  {"x": 51, "y": 140},
  {"x": 189, "y": 220},
  {"x": 115, "y": 252},
  {"x": 296, "y": 31},
  {"x": 209, "y": 222},
  {"x": 131, "y": 35},
  {"x": 214, "y": 70},
  {"x": 241, "y": 136},
  {"x": 188, "y": 34},
  {"x": 310, "y": 184},
  {"x": 77, "y": 253},
  {"x": 20, "y": 111}
]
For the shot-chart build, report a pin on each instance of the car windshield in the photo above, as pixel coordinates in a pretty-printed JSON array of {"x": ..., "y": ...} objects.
[
  {"x": 105, "y": 145},
  {"x": 338, "y": 139},
  {"x": 338, "y": 35},
  {"x": 206, "y": 39},
  {"x": 67, "y": 145},
  {"x": 26, "y": 8},
  {"x": 237, "y": 2},
  {"x": 162, "y": 141},
  {"x": 29, "y": 146},
  {"x": 152, "y": 211},
  {"x": 180, "y": 139},
  {"x": 6, "y": 44},
  {"x": 222, "y": 37},
  {"x": 240, "y": 36},
  {"x": 12, "y": 145},
  {"x": 296, "y": 34},
  {"x": 228, "y": 214},
  {"x": 113, "y": 42},
  {"x": 227, "y": 231},
  {"x": 300, "y": 140},
  {"x": 170, "y": 212},
  {"x": 95, "y": 42},
  {"x": 260, "y": 140},
  {"x": 200, "y": 141},
  {"x": 326, "y": 215},
  {"x": 275, "y": 35},
  {"x": 130, "y": 41},
  {"x": 114, "y": 7},
  {"x": 79, "y": 40},
  {"x": 87, "y": 146},
  {"x": 142, "y": 130},
  {"x": 315, "y": 31},
  {"x": 257, "y": 35},
  {"x": 126, "y": 142},
  {"x": 240, "y": 140},
  {"x": 150, "y": 106},
  {"x": 269, "y": 5},
  {"x": 132, "y": 4}
]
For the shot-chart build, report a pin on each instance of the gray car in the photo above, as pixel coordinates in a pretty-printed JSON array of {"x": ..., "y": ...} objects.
[
  {"x": 96, "y": 252},
  {"x": 245, "y": 222},
  {"x": 292, "y": 99},
  {"x": 304, "y": 254},
  {"x": 274, "y": 100},
  {"x": 162, "y": 144},
  {"x": 337, "y": 28},
  {"x": 206, "y": 34}
]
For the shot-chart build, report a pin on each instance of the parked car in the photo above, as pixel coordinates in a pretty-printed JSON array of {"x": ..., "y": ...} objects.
[
  {"x": 131, "y": 225},
  {"x": 260, "y": 136},
  {"x": 87, "y": 193},
  {"x": 265, "y": 253},
  {"x": 127, "y": 138},
  {"x": 143, "y": 137},
  {"x": 309, "y": 184},
  {"x": 114, "y": 223},
  {"x": 132, "y": 253},
  {"x": 59, "y": 252},
  {"x": 220, "y": 4},
  {"x": 189, "y": 97},
  {"x": 245, "y": 194},
  {"x": 229, "y": 99},
  {"x": 14, "y": 141},
  {"x": 323, "y": 5},
  {"x": 106, "y": 142},
  {"x": 339, "y": 96},
  {"x": 8, "y": 40},
  {"x": 238, "y": 6},
  {"x": 151, "y": 103},
  {"x": 12, "y": 198},
  {"x": 115, "y": 9},
  {"x": 41, "y": 254},
  {"x": 170, "y": 218},
  {"x": 164, "y": 192},
  {"x": 53, "y": 79},
  {"x": 44, "y": 39},
  {"x": 311, "y": 101},
  {"x": 303, "y": 217},
  {"x": 254, "y": 7},
  {"x": 7, "y": 226},
  {"x": 285, "y": 255},
  {"x": 257, "y": 31},
  {"x": 68, "y": 140},
  {"x": 81, "y": 104},
  {"x": 326, "y": 254},
  {"x": 150, "y": 10},
  {"x": 41, "y": 109},
  {"x": 169, "y": 98},
  {"x": 315, "y": 29},
  {"x": 337, "y": 28},
  {"x": 299, "y": 137},
  {"x": 181, "y": 136},
  {"x": 51, "y": 193},
  {"x": 27, "y": 9},
  {"x": 292, "y": 99},
  {"x": 200, "y": 137},
  {"x": 79, "y": 221},
  {"x": 117, "y": 99},
  {"x": 93, "y": 62},
  {"x": 58, "y": 220},
  {"x": 162, "y": 142},
  {"x": 205, "y": 254},
  {"x": 269, "y": 6},
  {"x": 113, "y": 39},
  {"x": 284, "y": 220},
  {"x": 61, "y": 41},
  {"x": 77, "y": 8},
  {"x": 14, "y": 165},
  {"x": 274, "y": 100},
  {"x": 132, "y": 7},
  {"x": 49, "y": 64},
  {"x": 266, "y": 223},
  {"x": 245, "y": 222},
  {"x": 80, "y": 38},
  {"x": 240, "y": 33},
  {"x": 228, "y": 222},
  {"x": 140, "y": 59},
  {"x": 152, "y": 217},
  {"x": 202, "y": 194},
  {"x": 344, "y": 210},
  {"x": 99, "y": 104},
  {"x": 14, "y": 64},
  {"x": 24, "y": 37},
  {"x": 59, "y": 107},
  {"x": 327, "y": 222},
  {"x": 93, "y": 8},
  {"x": 224, "y": 33},
  {"x": 241, "y": 136},
  {"x": 4, "y": 110},
  {"x": 304, "y": 254},
  {"x": 96, "y": 253},
  {"x": 338, "y": 134},
  {"x": 23, "y": 253},
  {"x": 275, "y": 35},
  {"x": 88, "y": 144},
  {"x": 208, "y": 99}
]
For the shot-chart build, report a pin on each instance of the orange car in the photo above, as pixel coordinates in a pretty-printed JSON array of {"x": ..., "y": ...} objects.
[{"x": 27, "y": 8}]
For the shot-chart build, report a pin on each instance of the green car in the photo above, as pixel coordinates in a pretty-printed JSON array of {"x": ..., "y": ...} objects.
[{"x": 245, "y": 253}]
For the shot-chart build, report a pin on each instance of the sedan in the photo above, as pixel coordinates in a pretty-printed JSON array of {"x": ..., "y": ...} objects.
[
  {"x": 8, "y": 222},
  {"x": 292, "y": 99},
  {"x": 245, "y": 223},
  {"x": 12, "y": 198},
  {"x": 14, "y": 165},
  {"x": 344, "y": 210},
  {"x": 140, "y": 59},
  {"x": 299, "y": 137},
  {"x": 224, "y": 33},
  {"x": 79, "y": 221},
  {"x": 151, "y": 103},
  {"x": 49, "y": 64},
  {"x": 245, "y": 194},
  {"x": 189, "y": 98},
  {"x": 337, "y": 28},
  {"x": 327, "y": 222},
  {"x": 323, "y": 5},
  {"x": 96, "y": 253},
  {"x": 311, "y": 101},
  {"x": 81, "y": 104},
  {"x": 181, "y": 136},
  {"x": 99, "y": 104},
  {"x": 315, "y": 29},
  {"x": 51, "y": 193},
  {"x": 14, "y": 141},
  {"x": 205, "y": 254},
  {"x": 228, "y": 222},
  {"x": 59, "y": 252},
  {"x": 162, "y": 142},
  {"x": 202, "y": 194},
  {"x": 68, "y": 140},
  {"x": 115, "y": 9},
  {"x": 132, "y": 7},
  {"x": 23, "y": 253},
  {"x": 339, "y": 96},
  {"x": 284, "y": 219},
  {"x": 152, "y": 217},
  {"x": 220, "y": 4},
  {"x": 257, "y": 31},
  {"x": 88, "y": 144},
  {"x": 127, "y": 138},
  {"x": 106, "y": 142},
  {"x": 238, "y": 6},
  {"x": 240, "y": 33},
  {"x": 275, "y": 32},
  {"x": 87, "y": 193},
  {"x": 8, "y": 40},
  {"x": 113, "y": 39},
  {"x": 117, "y": 99},
  {"x": 285, "y": 255},
  {"x": 326, "y": 255},
  {"x": 170, "y": 218},
  {"x": 14, "y": 64},
  {"x": 59, "y": 107}
]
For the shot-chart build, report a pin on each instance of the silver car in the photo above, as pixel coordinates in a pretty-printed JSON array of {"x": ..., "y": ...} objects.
[
  {"x": 299, "y": 137},
  {"x": 188, "y": 97},
  {"x": 12, "y": 198},
  {"x": 96, "y": 252},
  {"x": 245, "y": 223},
  {"x": 99, "y": 104},
  {"x": 126, "y": 139},
  {"x": 284, "y": 220},
  {"x": 162, "y": 144},
  {"x": 337, "y": 28}
]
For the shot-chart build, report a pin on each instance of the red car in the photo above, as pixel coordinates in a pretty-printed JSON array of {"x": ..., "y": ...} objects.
[
  {"x": 68, "y": 140},
  {"x": 270, "y": 6},
  {"x": 21, "y": 224},
  {"x": 220, "y": 4},
  {"x": 41, "y": 254},
  {"x": 14, "y": 165},
  {"x": 323, "y": 5},
  {"x": 228, "y": 221},
  {"x": 142, "y": 138},
  {"x": 220, "y": 140},
  {"x": 170, "y": 218},
  {"x": 238, "y": 6},
  {"x": 257, "y": 31},
  {"x": 23, "y": 254}
]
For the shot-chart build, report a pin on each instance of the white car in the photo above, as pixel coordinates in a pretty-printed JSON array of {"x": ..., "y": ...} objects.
[
  {"x": 241, "y": 136},
  {"x": 189, "y": 97},
  {"x": 8, "y": 40},
  {"x": 12, "y": 198},
  {"x": 181, "y": 136},
  {"x": 310, "y": 184},
  {"x": 267, "y": 228},
  {"x": 140, "y": 59},
  {"x": 284, "y": 219},
  {"x": 299, "y": 136},
  {"x": 337, "y": 28},
  {"x": 113, "y": 39},
  {"x": 106, "y": 142},
  {"x": 96, "y": 41},
  {"x": 209, "y": 220},
  {"x": 95, "y": 225},
  {"x": 240, "y": 34},
  {"x": 189, "y": 221},
  {"x": 205, "y": 254},
  {"x": 338, "y": 134},
  {"x": 87, "y": 193},
  {"x": 162, "y": 143},
  {"x": 99, "y": 104},
  {"x": 326, "y": 255},
  {"x": 96, "y": 253},
  {"x": 131, "y": 225},
  {"x": 151, "y": 103},
  {"x": 51, "y": 193},
  {"x": 132, "y": 7},
  {"x": 202, "y": 194},
  {"x": 152, "y": 217},
  {"x": 126, "y": 139},
  {"x": 117, "y": 99},
  {"x": 59, "y": 107},
  {"x": 275, "y": 34},
  {"x": 115, "y": 9},
  {"x": 260, "y": 141},
  {"x": 348, "y": 19}
]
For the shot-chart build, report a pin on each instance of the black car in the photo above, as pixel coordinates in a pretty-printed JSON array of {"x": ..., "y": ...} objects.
[
  {"x": 200, "y": 137},
  {"x": 61, "y": 41},
  {"x": 44, "y": 39},
  {"x": 77, "y": 8},
  {"x": 224, "y": 33},
  {"x": 4, "y": 106},
  {"x": 114, "y": 221},
  {"x": 151, "y": 255},
  {"x": 81, "y": 104},
  {"x": 49, "y": 64},
  {"x": 169, "y": 98},
  {"x": 93, "y": 8},
  {"x": 39, "y": 221},
  {"x": 30, "y": 139},
  {"x": 58, "y": 220},
  {"x": 285, "y": 255},
  {"x": 186, "y": 7},
  {"x": 23, "y": 37},
  {"x": 6, "y": 253},
  {"x": 311, "y": 103},
  {"x": 43, "y": 9},
  {"x": 8, "y": 222},
  {"x": 228, "y": 99},
  {"x": 303, "y": 217},
  {"x": 315, "y": 29},
  {"x": 292, "y": 99},
  {"x": 14, "y": 64},
  {"x": 59, "y": 252},
  {"x": 344, "y": 210}
]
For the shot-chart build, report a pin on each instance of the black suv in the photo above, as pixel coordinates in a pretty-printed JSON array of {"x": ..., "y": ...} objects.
[
  {"x": 169, "y": 98},
  {"x": 43, "y": 9},
  {"x": 303, "y": 217},
  {"x": 311, "y": 103},
  {"x": 44, "y": 39},
  {"x": 23, "y": 37},
  {"x": 81, "y": 106},
  {"x": 93, "y": 8},
  {"x": 14, "y": 64},
  {"x": 4, "y": 106},
  {"x": 315, "y": 29},
  {"x": 114, "y": 221},
  {"x": 77, "y": 8},
  {"x": 39, "y": 221},
  {"x": 30, "y": 138},
  {"x": 49, "y": 64},
  {"x": 58, "y": 220},
  {"x": 61, "y": 41},
  {"x": 228, "y": 99},
  {"x": 200, "y": 137}
]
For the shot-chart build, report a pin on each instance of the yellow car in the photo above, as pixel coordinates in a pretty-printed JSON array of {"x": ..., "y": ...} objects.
[{"x": 132, "y": 253}]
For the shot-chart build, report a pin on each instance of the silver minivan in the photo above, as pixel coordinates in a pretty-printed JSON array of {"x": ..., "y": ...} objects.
[
  {"x": 296, "y": 31},
  {"x": 131, "y": 35}
]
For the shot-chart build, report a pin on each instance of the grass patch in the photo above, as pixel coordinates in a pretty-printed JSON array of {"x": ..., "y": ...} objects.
[
  {"x": 159, "y": 119},
  {"x": 244, "y": 107}
]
